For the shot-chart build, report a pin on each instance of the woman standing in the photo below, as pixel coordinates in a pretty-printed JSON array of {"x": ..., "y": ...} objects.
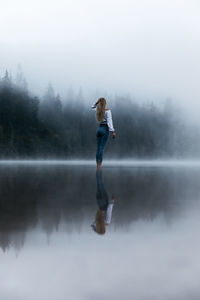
[{"x": 104, "y": 117}]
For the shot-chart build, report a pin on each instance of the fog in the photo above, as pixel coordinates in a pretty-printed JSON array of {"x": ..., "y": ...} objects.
[
  {"x": 143, "y": 57},
  {"x": 149, "y": 49}
]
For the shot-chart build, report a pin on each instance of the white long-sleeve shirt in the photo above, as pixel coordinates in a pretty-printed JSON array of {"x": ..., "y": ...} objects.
[
  {"x": 107, "y": 118},
  {"x": 108, "y": 215}
]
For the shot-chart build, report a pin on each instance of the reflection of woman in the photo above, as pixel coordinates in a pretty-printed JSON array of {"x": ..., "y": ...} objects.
[
  {"x": 104, "y": 213},
  {"x": 104, "y": 117}
]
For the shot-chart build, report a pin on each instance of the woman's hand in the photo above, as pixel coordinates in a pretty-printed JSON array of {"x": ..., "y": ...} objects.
[{"x": 113, "y": 134}]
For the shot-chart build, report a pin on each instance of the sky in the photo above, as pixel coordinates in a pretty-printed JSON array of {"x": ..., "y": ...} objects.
[{"x": 146, "y": 48}]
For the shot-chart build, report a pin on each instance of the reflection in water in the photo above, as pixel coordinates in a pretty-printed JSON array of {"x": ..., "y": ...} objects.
[
  {"x": 48, "y": 197},
  {"x": 104, "y": 213},
  {"x": 153, "y": 242}
]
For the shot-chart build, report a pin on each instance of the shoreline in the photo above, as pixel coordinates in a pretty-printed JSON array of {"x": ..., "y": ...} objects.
[{"x": 113, "y": 163}]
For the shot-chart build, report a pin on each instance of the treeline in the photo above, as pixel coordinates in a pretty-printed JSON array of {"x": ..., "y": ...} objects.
[{"x": 54, "y": 128}]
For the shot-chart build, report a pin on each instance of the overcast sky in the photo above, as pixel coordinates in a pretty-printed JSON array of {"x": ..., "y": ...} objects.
[{"x": 149, "y": 48}]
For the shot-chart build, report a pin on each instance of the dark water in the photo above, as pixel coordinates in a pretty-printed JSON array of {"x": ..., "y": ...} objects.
[{"x": 49, "y": 250}]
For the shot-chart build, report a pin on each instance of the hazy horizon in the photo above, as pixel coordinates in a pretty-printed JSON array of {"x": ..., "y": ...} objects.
[
  {"x": 148, "y": 49},
  {"x": 67, "y": 228}
]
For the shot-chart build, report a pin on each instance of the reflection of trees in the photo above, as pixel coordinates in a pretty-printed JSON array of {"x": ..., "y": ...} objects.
[
  {"x": 17, "y": 208},
  {"x": 29, "y": 196},
  {"x": 145, "y": 193},
  {"x": 49, "y": 195}
]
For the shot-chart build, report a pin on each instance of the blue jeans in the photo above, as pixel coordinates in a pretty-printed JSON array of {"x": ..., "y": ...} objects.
[
  {"x": 102, "y": 134},
  {"x": 101, "y": 193}
]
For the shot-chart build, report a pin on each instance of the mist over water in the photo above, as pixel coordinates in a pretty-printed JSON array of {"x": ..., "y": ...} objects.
[
  {"x": 132, "y": 230},
  {"x": 49, "y": 128},
  {"x": 50, "y": 251},
  {"x": 142, "y": 56},
  {"x": 145, "y": 48}
]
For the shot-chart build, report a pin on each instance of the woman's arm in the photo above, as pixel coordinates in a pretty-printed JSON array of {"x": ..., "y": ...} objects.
[
  {"x": 110, "y": 123},
  {"x": 108, "y": 215},
  {"x": 94, "y": 105}
]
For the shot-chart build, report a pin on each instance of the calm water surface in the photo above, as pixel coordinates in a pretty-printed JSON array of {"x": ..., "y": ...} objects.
[{"x": 50, "y": 248}]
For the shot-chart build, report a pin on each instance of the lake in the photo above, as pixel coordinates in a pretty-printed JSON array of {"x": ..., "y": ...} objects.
[{"x": 128, "y": 232}]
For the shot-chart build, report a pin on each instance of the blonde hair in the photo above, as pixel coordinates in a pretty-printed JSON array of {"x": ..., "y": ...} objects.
[
  {"x": 100, "y": 224},
  {"x": 100, "y": 111}
]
